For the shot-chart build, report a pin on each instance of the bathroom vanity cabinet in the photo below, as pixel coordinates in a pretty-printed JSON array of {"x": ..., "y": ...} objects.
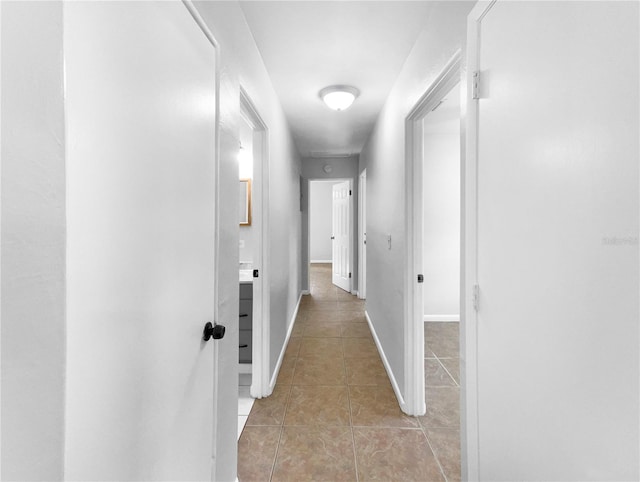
[{"x": 246, "y": 321}]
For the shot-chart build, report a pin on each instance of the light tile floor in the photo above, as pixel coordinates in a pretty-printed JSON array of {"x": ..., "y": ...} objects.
[
  {"x": 245, "y": 400},
  {"x": 333, "y": 415}
]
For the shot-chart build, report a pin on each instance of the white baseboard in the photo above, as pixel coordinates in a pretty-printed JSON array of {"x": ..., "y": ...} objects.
[
  {"x": 385, "y": 362},
  {"x": 305, "y": 292},
  {"x": 354, "y": 292},
  {"x": 274, "y": 377},
  {"x": 441, "y": 317},
  {"x": 323, "y": 261},
  {"x": 245, "y": 368}
]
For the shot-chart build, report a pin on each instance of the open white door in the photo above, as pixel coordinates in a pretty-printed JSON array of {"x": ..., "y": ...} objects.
[
  {"x": 341, "y": 253},
  {"x": 141, "y": 183},
  {"x": 556, "y": 152}
]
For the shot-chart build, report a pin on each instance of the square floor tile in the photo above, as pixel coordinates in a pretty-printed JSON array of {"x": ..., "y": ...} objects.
[
  {"x": 319, "y": 371},
  {"x": 322, "y": 330},
  {"x": 315, "y": 453},
  {"x": 321, "y": 347},
  {"x": 310, "y": 405},
  {"x": 394, "y": 454},
  {"x": 359, "y": 348},
  {"x": 355, "y": 330},
  {"x": 366, "y": 371}
]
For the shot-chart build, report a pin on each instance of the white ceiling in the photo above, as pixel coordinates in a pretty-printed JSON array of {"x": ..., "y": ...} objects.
[{"x": 308, "y": 45}]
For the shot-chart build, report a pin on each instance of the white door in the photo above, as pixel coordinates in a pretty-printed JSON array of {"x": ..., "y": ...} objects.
[
  {"x": 140, "y": 109},
  {"x": 341, "y": 235},
  {"x": 557, "y": 240}
]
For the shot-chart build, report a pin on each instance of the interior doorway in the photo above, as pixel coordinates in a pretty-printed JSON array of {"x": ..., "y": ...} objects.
[
  {"x": 433, "y": 202},
  {"x": 433, "y": 242},
  {"x": 331, "y": 229},
  {"x": 253, "y": 340}
]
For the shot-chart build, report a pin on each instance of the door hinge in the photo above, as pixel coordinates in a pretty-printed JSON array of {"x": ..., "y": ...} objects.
[
  {"x": 349, "y": 275},
  {"x": 476, "y": 297},
  {"x": 475, "y": 85},
  {"x": 420, "y": 278},
  {"x": 256, "y": 273}
]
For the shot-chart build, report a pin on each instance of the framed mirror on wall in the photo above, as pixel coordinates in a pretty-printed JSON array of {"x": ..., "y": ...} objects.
[{"x": 245, "y": 202}]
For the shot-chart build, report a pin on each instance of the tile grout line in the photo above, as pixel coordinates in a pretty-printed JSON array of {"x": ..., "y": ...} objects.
[
  {"x": 435, "y": 455},
  {"x": 448, "y": 372},
  {"x": 353, "y": 437}
]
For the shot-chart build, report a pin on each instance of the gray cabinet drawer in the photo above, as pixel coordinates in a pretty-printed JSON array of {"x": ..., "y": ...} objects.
[
  {"x": 245, "y": 352},
  {"x": 246, "y": 291},
  {"x": 246, "y": 308}
]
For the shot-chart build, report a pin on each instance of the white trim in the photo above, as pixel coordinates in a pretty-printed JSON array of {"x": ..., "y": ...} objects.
[
  {"x": 246, "y": 368},
  {"x": 362, "y": 235},
  {"x": 354, "y": 292},
  {"x": 414, "y": 307},
  {"x": 274, "y": 377},
  {"x": 305, "y": 292},
  {"x": 261, "y": 335},
  {"x": 323, "y": 261},
  {"x": 441, "y": 318},
  {"x": 387, "y": 366},
  {"x": 469, "y": 416}
]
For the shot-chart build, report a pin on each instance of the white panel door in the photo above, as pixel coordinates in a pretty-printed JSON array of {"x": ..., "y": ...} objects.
[
  {"x": 558, "y": 241},
  {"x": 341, "y": 253},
  {"x": 140, "y": 106}
]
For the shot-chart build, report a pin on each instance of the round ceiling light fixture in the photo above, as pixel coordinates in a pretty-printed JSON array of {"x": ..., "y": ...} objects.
[{"x": 339, "y": 97}]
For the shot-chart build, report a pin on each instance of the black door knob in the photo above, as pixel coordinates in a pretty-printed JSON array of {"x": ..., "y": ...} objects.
[{"x": 213, "y": 331}]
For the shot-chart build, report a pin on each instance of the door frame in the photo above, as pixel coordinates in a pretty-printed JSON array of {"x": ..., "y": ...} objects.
[
  {"x": 362, "y": 235},
  {"x": 414, "y": 396},
  {"x": 261, "y": 333},
  {"x": 216, "y": 282},
  {"x": 469, "y": 429},
  {"x": 351, "y": 209}
]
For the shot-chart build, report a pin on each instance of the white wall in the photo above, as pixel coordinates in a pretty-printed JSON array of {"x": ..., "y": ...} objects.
[
  {"x": 441, "y": 235},
  {"x": 320, "y": 221},
  {"x": 33, "y": 241},
  {"x": 341, "y": 168},
  {"x": 383, "y": 157}
]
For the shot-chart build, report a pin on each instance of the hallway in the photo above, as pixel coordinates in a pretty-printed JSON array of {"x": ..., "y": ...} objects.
[{"x": 333, "y": 414}]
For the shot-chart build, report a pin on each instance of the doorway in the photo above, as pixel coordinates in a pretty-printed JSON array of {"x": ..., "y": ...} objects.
[
  {"x": 331, "y": 229},
  {"x": 433, "y": 235},
  {"x": 432, "y": 355},
  {"x": 253, "y": 350}
]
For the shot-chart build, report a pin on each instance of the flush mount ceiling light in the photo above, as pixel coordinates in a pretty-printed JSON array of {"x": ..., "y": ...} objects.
[{"x": 339, "y": 97}]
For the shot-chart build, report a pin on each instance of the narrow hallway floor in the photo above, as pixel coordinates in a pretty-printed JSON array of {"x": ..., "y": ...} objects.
[{"x": 333, "y": 415}]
